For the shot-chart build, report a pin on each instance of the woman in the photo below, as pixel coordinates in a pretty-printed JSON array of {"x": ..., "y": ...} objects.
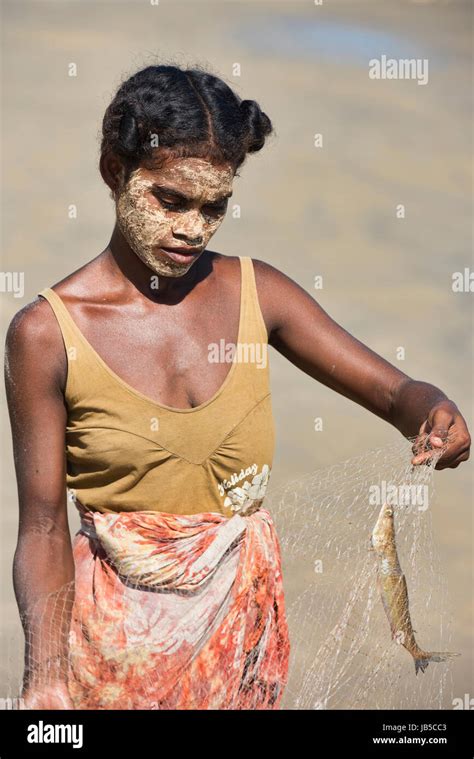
[{"x": 150, "y": 363}]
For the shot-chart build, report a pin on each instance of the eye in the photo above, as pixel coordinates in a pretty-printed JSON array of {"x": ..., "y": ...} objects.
[
  {"x": 170, "y": 205},
  {"x": 215, "y": 210}
]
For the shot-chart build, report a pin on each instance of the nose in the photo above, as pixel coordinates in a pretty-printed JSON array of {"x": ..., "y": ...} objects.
[{"x": 190, "y": 229}]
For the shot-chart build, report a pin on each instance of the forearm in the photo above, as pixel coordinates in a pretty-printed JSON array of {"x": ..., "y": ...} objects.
[
  {"x": 43, "y": 576},
  {"x": 412, "y": 404}
]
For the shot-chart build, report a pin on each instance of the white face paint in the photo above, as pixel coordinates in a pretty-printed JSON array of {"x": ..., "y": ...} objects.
[{"x": 148, "y": 224}]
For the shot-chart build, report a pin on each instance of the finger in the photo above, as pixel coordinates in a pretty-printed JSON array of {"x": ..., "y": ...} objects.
[
  {"x": 423, "y": 458},
  {"x": 454, "y": 447},
  {"x": 440, "y": 424},
  {"x": 432, "y": 452},
  {"x": 424, "y": 448},
  {"x": 421, "y": 443},
  {"x": 422, "y": 429},
  {"x": 453, "y": 463},
  {"x": 438, "y": 437}
]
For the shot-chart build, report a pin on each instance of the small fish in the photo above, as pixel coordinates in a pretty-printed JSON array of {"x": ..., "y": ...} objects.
[{"x": 393, "y": 590}]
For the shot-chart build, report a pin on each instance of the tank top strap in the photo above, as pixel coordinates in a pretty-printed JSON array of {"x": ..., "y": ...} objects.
[
  {"x": 71, "y": 334},
  {"x": 253, "y": 326},
  {"x": 83, "y": 371}
]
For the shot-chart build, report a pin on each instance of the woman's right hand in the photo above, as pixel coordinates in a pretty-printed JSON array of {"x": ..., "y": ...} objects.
[{"x": 51, "y": 696}]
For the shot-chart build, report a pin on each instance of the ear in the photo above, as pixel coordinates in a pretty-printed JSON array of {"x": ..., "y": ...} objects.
[{"x": 113, "y": 173}]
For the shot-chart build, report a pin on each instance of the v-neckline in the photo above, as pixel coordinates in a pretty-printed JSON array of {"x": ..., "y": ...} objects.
[{"x": 138, "y": 393}]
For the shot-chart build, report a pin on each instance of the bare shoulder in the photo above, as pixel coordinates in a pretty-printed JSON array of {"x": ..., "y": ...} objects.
[
  {"x": 33, "y": 341},
  {"x": 269, "y": 277},
  {"x": 268, "y": 280},
  {"x": 34, "y": 337},
  {"x": 276, "y": 292},
  {"x": 274, "y": 288},
  {"x": 33, "y": 324}
]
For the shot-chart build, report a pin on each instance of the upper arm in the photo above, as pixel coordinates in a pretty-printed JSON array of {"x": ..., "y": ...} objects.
[
  {"x": 302, "y": 331},
  {"x": 35, "y": 370}
]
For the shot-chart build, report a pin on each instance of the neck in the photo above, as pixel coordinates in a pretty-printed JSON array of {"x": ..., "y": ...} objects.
[{"x": 157, "y": 287}]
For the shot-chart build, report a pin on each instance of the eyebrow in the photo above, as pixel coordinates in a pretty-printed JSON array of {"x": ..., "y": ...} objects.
[{"x": 181, "y": 196}]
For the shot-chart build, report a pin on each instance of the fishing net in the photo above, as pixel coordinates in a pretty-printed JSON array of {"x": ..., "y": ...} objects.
[{"x": 342, "y": 653}]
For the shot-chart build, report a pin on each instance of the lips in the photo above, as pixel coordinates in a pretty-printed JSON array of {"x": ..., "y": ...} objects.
[
  {"x": 181, "y": 255},
  {"x": 182, "y": 251}
]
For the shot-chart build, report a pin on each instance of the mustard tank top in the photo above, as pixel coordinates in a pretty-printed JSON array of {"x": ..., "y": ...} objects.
[{"x": 125, "y": 452}]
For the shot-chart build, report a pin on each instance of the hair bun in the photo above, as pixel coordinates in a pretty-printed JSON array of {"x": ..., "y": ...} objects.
[{"x": 256, "y": 123}]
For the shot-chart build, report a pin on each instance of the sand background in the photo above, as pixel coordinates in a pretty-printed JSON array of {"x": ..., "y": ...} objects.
[{"x": 308, "y": 211}]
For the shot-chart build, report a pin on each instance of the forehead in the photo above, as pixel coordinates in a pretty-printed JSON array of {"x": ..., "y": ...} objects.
[{"x": 194, "y": 177}]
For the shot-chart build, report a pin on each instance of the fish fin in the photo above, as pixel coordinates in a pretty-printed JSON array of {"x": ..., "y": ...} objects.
[
  {"x": 438, "y": 656},
  {"x": 421, "y": 664}
]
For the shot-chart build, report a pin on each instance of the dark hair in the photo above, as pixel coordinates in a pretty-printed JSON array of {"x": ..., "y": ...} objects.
[{"x": 192, "y": 112}]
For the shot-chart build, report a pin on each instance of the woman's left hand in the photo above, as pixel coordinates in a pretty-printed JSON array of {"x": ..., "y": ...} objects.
[{"x": 444, "y": 427}]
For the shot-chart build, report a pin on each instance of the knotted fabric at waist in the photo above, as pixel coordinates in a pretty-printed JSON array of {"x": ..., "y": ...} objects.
[{"x": 163, "y": 550}]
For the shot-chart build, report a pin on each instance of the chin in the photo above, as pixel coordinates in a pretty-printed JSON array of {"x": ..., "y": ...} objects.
[{"x": 168, "y": 268}]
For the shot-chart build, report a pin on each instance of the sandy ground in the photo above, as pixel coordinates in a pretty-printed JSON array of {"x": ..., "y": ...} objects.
[{"x": 308, "y": 211}]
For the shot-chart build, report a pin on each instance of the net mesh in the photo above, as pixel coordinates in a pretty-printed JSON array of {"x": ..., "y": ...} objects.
[{"x": 342, "y": 656}]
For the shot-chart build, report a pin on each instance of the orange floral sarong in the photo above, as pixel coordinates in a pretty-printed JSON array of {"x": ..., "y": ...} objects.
[{"x": 177, "y": 612}]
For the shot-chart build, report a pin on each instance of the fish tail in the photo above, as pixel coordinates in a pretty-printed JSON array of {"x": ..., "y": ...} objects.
[{"x": 421, "y": 662}]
